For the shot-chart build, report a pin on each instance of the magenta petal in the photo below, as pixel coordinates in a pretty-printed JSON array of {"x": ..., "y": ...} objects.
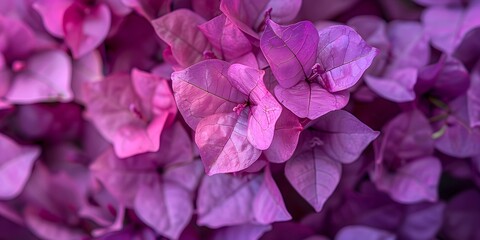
[
  {"x": 154, "y": 93},
  {"x": 314, "y": 176},
  {"x": 408, "y": 50},
  {"x": 225, "y": 36},
  {"x": 52, "y": 13},
  {"x": 310, "y": 100},
  {"x": 290, "y": 50},
  {"x": 285, "y": 138},
  {"x": 47, "y": 77},
  {"x": 397, "y": 85},
  {"x": 128, "y": 115},
  {"x": 249, "y": 15},
  {"x": 223, "y": 144},
  {"x": 447, "y": 26},
  {"x": 265, "y": 110},
  {"x": 343, "y": 136},
  {"x": 414, "y": 182},
  {"x": 268, "y": 206},
  {"x": 343, "y": 57},
  {"x": 85, "y": 27},
  {"x": 249, "y": 81},
  {"x": 123, "y": 177},
  {"x": 203, "y": 90},
  {"x": 179, "y": 29},
  {"x": 222, "y": 193},
  {"x": 165, "y": 207},
  {"x": 373, "y": 29},
  {"x": 355, "y": 231},
  {"x": 16, "y": 163},
  {"x": 15, "y": 31},
  {"x": 248, "y": 59}
]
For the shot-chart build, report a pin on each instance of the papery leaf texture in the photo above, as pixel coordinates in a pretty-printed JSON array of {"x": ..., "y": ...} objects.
[
  {"x": 268, "y": 206},
  {"x": 226, "y": 37},
  {"x": 203, "y": 90},
  {"x": 249, "y": 15},
  {"x": 228, "y": 150},
  {"x": 314, "y": 176},
  {"x": 124, "y": 177},
  {"x": 342, "y": 136},
  {"x": 285, "y": 138},
  {"x": 226, "y": 193},
  {"x": 265, "y": 109},
  {"x": 179, "y": 29},
  {"x": 291, "y": 51},
  {"x": 343, "y": 56},
  {"x": 310, "y": 100}
]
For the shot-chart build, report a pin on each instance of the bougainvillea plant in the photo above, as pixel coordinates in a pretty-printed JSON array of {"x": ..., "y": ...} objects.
[{"x": 239, "y": 119}]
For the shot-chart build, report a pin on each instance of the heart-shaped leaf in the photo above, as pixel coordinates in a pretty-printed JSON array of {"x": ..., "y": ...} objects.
[
  {"x": 343, "y": 137},
  {"x": 314, "y": 176},
  {"x": 268, "y": 205},
  {"x": 203, "y": 90},
  {"x": 343, "y": 57},
  {"x": 223, "y": 193},
  {"x": 223, "y": 144},
  {"x": 179, "y": 29},
  {"x": 290, "y": 50},
  {"x": 166, "y": 207},
  {"x": 265, "y": 109}
]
